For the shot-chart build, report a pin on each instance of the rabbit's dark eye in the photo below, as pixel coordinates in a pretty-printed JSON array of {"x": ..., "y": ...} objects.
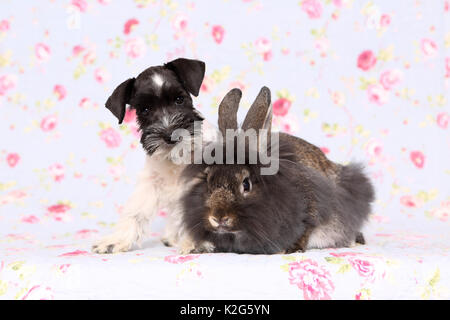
[
  {"x": 246, "y": 185},
  {"x": 179, "y": 100}
]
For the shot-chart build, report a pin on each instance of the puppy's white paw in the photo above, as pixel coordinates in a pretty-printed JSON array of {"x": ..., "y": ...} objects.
[{"x": 111, "y": 244}]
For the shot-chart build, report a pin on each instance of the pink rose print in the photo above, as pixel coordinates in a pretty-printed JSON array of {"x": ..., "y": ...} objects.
[
  {"x": 135, "y": 47},
  {"x": 313, "y": 8},
  {"x": 443, "y": 212},
  {"x": 80, "y": 5},
  {"x": 390, "y": 78},
  {"x": 218, "y": 32},
  {"x": 89, "y": 57},
  {"x": 442, "y": 120},
  {"x": 48, "y": 123},
  {"x": 418, "y": 158},
  {"x": 60, "y": 92},
  {"x": 447, "y": 67},
  {"x": 374, "y": 148},
  {"x": 56, "y": 171},
  {"x": 180, "y": 259},
  {"x": 428, "y": 47},
  {"x": 59, "y": 212},
  {"x": 263, "y": 45},
  {"x": 325, "y": 150},
  {"x": 30, "y": 219},
  {"x": 410, "y": 201},
  {"x": 4, "y": 25},
  {"x": 75, "y": 253},
  {"x": 207, "y": 85},
  {"x": 129, "y": 25},
  {"x": 130, "y": 116},
  {"x": 180, "y": 22},
  {"x": 315, "y": 281},
  {"x": 7, "y": 82},
  {"x": 385, "y": 20},
  {"x": 85, "y": 233},
  {"x": 101, "y": 75},
  {"x": 377, "y": 94},
  {"x": 281, "y": 107},
  {"x": 76, "y": 50},
  {"x": 42, "y": 52},
  {"x": 39, "y": 292},
  {"x": 110, "y": 137},
  {"x": 366, "y": 60},
  {"x": 363, "y": 267},
  {"x": 12, "y": 159}
]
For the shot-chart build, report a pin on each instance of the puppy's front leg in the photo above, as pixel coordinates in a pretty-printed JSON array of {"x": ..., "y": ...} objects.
[{"x": 138, "y": 211}]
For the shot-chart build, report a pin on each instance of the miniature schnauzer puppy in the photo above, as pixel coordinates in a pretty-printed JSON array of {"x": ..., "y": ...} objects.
[{"x": 161, "y": 96}]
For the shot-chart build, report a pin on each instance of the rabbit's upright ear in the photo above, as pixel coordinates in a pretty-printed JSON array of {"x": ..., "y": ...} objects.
[
  {"x": 260, "y": 114},
  {"x": 228, "y": 110}
]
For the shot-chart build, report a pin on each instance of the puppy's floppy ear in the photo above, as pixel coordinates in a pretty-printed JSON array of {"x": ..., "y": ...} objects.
[
  {"x": 190, "y": 72},
  {"x": 228, "y": 110},
  {"x": 116, "y": 103},
  {"x": 260, "y": 114}
]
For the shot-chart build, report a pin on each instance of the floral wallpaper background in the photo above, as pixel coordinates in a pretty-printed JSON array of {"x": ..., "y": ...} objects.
[{"x": 364, "y": 80}]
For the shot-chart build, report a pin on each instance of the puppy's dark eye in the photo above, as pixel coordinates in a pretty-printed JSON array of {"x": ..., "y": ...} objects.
[
  {"x": 246, "y": 185},
  {"x": 145, "y": 110},
  {"x": 179, "y": 100}
]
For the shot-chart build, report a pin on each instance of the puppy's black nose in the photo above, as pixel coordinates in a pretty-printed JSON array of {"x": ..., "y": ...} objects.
[{"x": 168, "y": 139}]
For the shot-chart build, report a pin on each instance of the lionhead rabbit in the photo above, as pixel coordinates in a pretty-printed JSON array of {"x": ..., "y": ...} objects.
[{"x": 310, "y": 202}]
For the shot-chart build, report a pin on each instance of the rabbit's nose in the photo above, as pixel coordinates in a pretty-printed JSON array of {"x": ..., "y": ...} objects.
[{"x": 224, "y": 221}]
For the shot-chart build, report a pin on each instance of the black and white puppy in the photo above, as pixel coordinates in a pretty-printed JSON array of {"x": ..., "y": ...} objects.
[{"x": 161, "y": 96}]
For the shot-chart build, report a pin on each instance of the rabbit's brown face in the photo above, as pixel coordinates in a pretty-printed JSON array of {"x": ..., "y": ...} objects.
[{"x": 228, "y": 186}]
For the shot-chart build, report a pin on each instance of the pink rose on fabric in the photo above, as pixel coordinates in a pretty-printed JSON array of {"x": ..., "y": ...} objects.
[
  {"x": 418, "y": 158},
  {"x": 110, "y": 137},
  {"x": 442, "y": 120},
  {"x": 39, "y": 292},
  {"x": 80, "y": 5},
  {"x": 447, "y": 67},
  {"x": 4, "y": 25},
  {"x": 366, "y": 60},
  {"x": 129, "y": 25},
  {"x": 101, "y": 75},
  {"x": 58, "y": 208},
  {"x": 12, "y": 159},
  {"x": 390, "y": 78},
  {"x": 338, "y": 3},
  {"x": 7, "y": 82},
  {"x": 428, "y": 47},
  {"x": 89, "y": 57},
  {"x": 218, "y": 32},
  {"x": 76, "y": 50},
  {"x": 374, "y": 148},
  {"x": 263, "y": 45},
  {"x": 60, "y": 91},
  {"x": 30, "y": 219},
  {"x": 180, "y": 22},
  {"x": 377, "y": 94},
  {"x": 267, "y": 55},
  {"x": 49, "y": 123},
  {"x": 443, "y": 212},
  {"x": 410, "y": 201},
  {"x": 57, "y": 171},
  {"x": 42, "y": 52},
  {"x": 315, "y": 281},
  {"x": 385, "y": 20},
  {"x": 281, "y": 107},
  {"x": 313, "y": 8},
  {"x": 363, "y": 267},
  {"x": 59, "y": 212},
  {"x": 325, "y": 150},
  {"x": 180, "y": 259},
  {"x": 130, "y": 116},
  {"x": 75, "y": 253},
  {"x": 207, "y": 85},
  {"x": 135, "y": 47},
  {"x": 85, "y": 233}
]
